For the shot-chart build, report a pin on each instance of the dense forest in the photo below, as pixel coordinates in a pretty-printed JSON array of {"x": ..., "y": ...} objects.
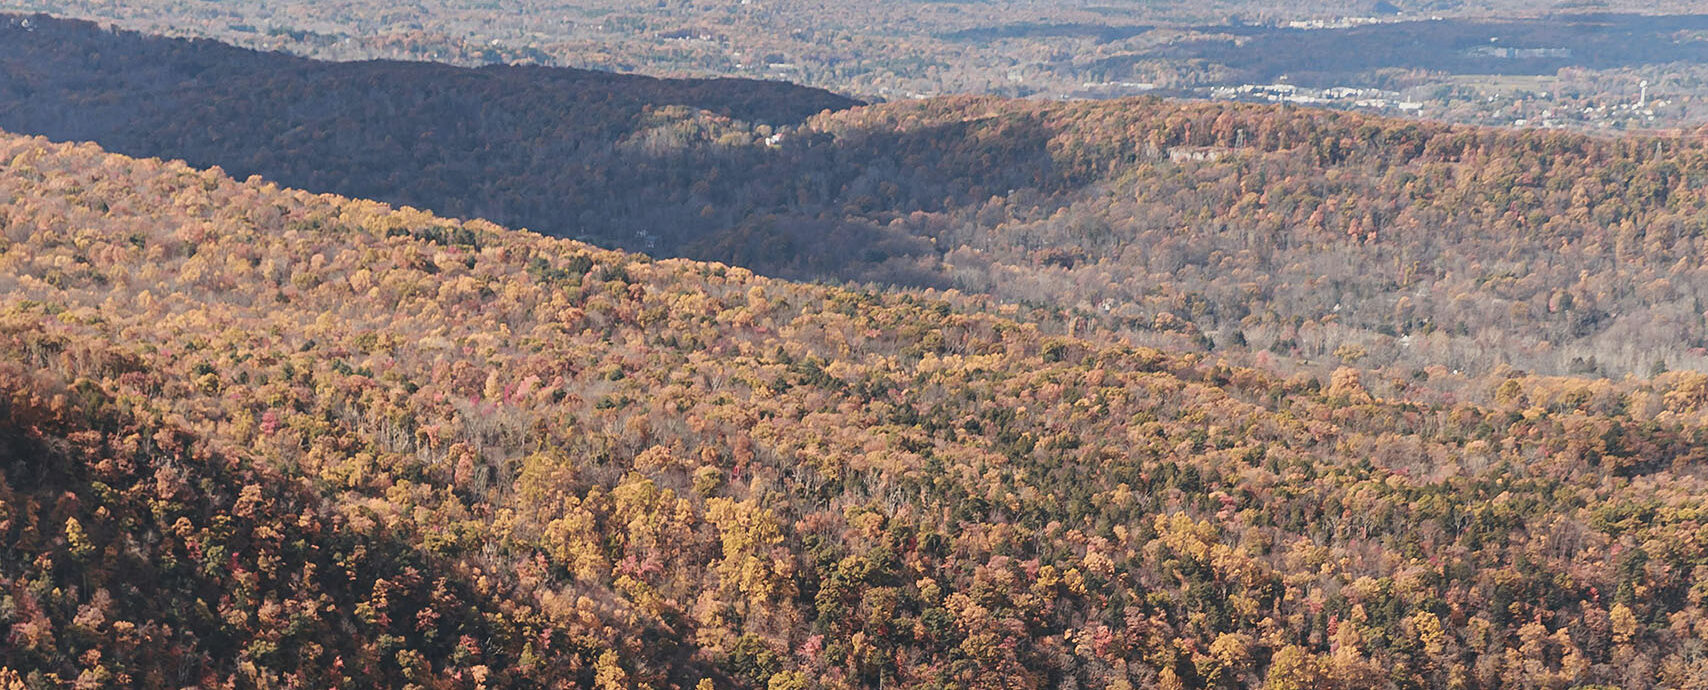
[
  {"x": 257, "y": 437},
  {"x": 1274, "y": 235}
]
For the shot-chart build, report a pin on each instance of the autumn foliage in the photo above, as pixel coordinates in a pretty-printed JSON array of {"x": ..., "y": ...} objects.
[{"x": 253, "y": 436}]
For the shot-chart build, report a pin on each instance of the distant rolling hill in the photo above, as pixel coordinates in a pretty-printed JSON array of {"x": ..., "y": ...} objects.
[
  {"x": 1314, "y": 238},
  {"x": 1355, "y": 55}
]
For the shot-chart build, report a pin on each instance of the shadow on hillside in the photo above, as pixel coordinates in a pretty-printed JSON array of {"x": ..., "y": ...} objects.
[
  {"x": 628, "y": 161},
  {"x": 840, "y": 205}
]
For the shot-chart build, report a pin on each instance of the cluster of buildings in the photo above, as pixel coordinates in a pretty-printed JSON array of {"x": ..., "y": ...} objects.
[
  {"x": 1509, "y": 53},
  {"x": 1341, "y": 22},
  {"x": 1339, "y": 95}
]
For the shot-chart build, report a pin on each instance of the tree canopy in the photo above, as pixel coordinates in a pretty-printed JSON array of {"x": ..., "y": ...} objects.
[{"x": 254, "y": 436}]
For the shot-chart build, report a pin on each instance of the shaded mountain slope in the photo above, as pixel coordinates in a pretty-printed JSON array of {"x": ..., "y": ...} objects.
[
  {"x": 486, "y": 456},
  {"x": 470, "y": 142}
]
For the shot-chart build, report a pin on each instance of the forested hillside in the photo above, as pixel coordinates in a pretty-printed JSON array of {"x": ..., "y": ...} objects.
[
  {"x": 252, "y": 436},
  {"x": 1328, "y": 236},
  {"x": 1299, "y": 237}
]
